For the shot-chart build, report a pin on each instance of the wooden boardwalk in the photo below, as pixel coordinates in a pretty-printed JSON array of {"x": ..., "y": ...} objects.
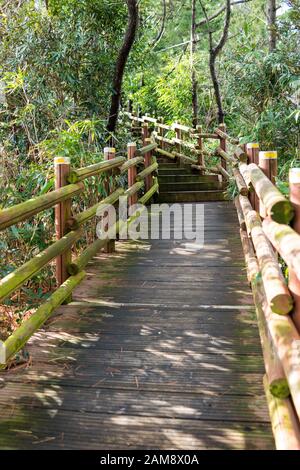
[{"x": 159, "y": 349}]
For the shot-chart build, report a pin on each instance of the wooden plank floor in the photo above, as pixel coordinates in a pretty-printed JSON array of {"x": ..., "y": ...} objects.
[{"x": 158, "y": 350}]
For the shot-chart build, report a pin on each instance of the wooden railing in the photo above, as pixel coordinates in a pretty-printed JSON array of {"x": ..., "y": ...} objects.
[
  {"x": 69, "y": 228},
  {"x": 187, "y": 146},
  {"x": 264, "y": 215}
]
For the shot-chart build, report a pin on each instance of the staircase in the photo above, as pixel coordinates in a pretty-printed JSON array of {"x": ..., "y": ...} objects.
[{"x": 179, "y": 183}]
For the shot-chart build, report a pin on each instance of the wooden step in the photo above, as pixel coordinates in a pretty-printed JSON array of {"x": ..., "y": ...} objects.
[
  {"x": 191, "y": 196},
  {"x": 163, "y": 170},
  {"x": 189, "y": 186},
  {"x": 189, "y": 178}
]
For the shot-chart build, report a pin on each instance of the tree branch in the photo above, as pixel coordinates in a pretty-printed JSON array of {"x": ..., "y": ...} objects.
[
  {"x": 133, "y": 16},
  {"x": 218, "y": 12},
  {"x": 163, "y": 22}
]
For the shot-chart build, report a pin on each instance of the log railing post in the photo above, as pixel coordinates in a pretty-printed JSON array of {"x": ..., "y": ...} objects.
[
  {"x": 147, "y": 162},
  {"x": 252, "y": 150},
  {"x": 267, "y": 162},
  {"x": 62, "y": 169},
  {"x": 294, "y": 283},
  {"x": 132, "y": 172},
  {"x": 109, "y": 154},
  {"x": 223, "y": 145},
  {"x": 201, "y": 161}
]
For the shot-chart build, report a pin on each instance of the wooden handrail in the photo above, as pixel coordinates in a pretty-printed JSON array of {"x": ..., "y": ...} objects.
[
  {"x": 96, "y": 169},
  {"x": 23, "y": 211}
]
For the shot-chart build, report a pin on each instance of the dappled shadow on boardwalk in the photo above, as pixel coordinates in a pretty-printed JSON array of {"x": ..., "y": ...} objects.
[{"x": 158, "y": 350}]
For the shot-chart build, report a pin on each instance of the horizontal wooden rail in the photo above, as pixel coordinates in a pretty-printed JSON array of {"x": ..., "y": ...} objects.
[
  {"x": 17, "y": 278},
  {"x": 21, "y": 335},
  {"x": 165, "y": 153},
  {"x": 96, "y": 169},
  {"x": 134, "y": 188},
  {"x": 204, "y": 135},
  {"x": 277, "y": 293},
  {"x": 85, "y": 216},
  {"x": 224, "y": 135},
  {"x": 25, "y": 210},
  {"x": 149, "y": 193},
  {"x": 148, "y": 148},
  {"x": 276, "y": 205},
  {"x": 181, "y": 127},
  {"x": 226, "y": 156},
  {"x": 147, "y": 171},
  {"x": 131, "y": 163}
]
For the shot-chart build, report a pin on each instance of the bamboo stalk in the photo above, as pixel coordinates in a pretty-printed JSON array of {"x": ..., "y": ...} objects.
[
  {"x": 17, "y": 278},
  {"x": 83, "y": 217},
  {"x": 21, "y": 335},
  {"x": 277, "y": 293},
  {"x": 285, "y": 425},
  {"x": 96, "y": 169},
  {"x": 276, "y": 205},
  {"x": 242, "y": 187},
  {"x": 147, "y": 171},
  {"x": 25, "y": 210},
  {"x": 131, "y": 163}
]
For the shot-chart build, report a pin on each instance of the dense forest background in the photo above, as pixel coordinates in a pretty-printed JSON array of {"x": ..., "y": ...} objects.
[{"x": 61, "y": 61}]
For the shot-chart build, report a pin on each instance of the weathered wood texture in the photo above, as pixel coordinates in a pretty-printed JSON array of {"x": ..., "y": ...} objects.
[{"x": 158, "y": 350}]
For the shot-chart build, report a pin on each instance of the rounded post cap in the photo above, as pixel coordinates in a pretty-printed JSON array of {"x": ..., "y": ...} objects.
[
  {"x": 131, "y": 144},
  {"x": 252, "y": 145},
  {"x": 268, "y": 155},
  {"x": 109, "y": 150},
  {"x": 62, "y": 161},
  {"x": 294, "y": 175}
]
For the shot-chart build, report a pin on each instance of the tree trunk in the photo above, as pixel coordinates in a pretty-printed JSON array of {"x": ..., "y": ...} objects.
[
  {"x": 216, "y": 85},
  {"x": 193, "y": 71},
  {"x": 124, "y": 52},
  {"x": 271, "y": 16}
]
